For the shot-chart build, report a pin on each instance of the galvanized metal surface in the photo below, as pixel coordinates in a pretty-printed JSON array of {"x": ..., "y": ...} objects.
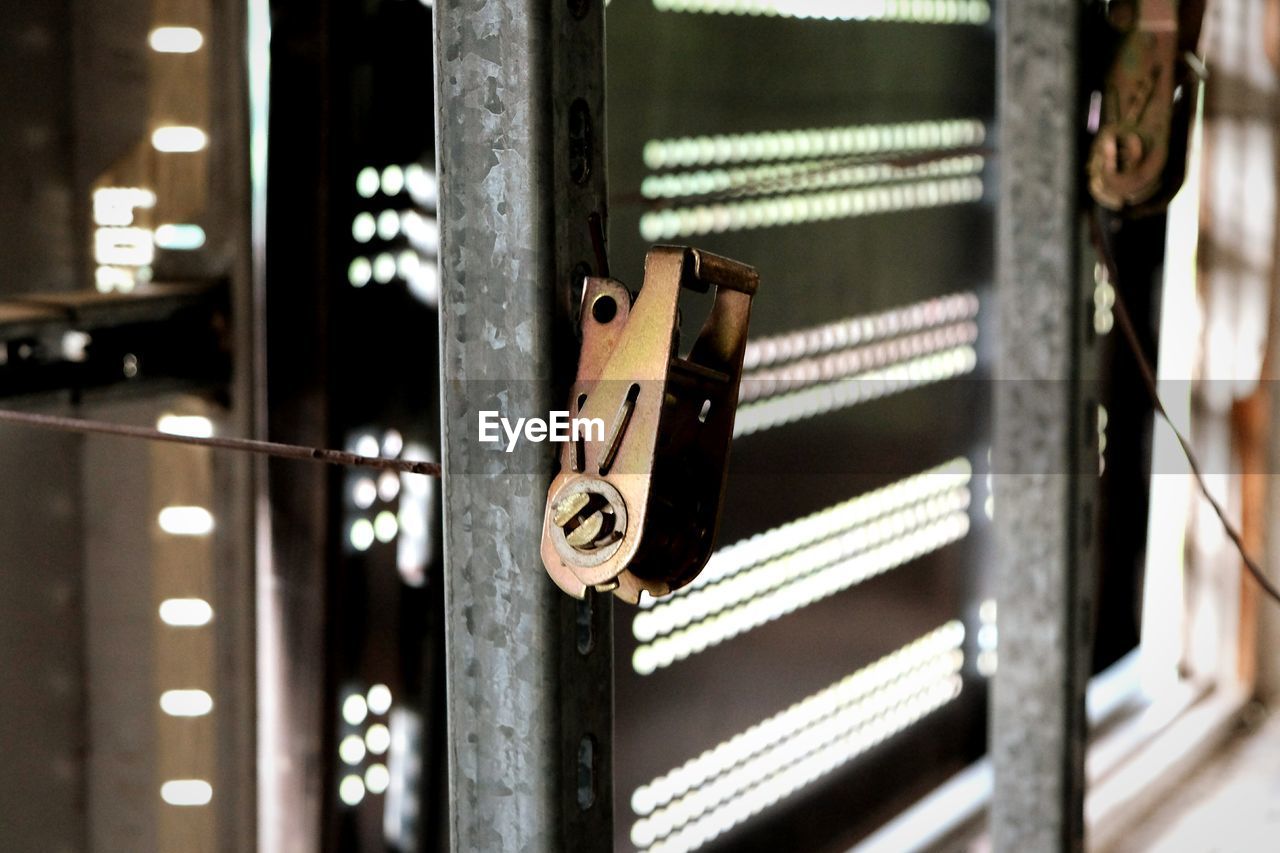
[
  {"x": 529, "y": 690},
  {"x": 1040, "y": 452}
]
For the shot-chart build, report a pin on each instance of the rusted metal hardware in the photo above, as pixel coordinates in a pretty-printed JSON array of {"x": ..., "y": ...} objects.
[
  {"x": 636, "y": 506},
  {"x": 1138, "y": 158}
]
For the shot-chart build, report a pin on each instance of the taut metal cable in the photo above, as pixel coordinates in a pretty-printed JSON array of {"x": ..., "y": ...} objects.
[
  {"x": 432, "y": 469},
  {"x": 244, "y": 445},
  {"x": 1153, "y": 391}
]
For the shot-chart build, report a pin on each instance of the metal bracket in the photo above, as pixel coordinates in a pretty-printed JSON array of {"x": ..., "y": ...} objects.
[
  {"x": 86, "y": 341},
  {"x": 1138, "y": 158},
  {"x": 637, "y": 503}
]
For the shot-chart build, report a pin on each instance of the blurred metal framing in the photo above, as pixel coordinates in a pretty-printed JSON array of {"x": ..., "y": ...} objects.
[
  {"x": 1045, "y": 447},
  {"x": 86, "y": 753},
  {"x": 293, "y": 371},
  {"x": 529, "y": 670},
  {"x": 237, "y": 486}
]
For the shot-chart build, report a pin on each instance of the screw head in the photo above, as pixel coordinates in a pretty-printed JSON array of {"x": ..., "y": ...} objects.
[{"x": 588, "y": 520}]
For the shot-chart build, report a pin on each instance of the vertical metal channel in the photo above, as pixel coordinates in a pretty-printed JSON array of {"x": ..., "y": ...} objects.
[
  {"x": 521, "y": 168},
  {"x": 292, "y": 53},
  {"x": 235, "y": 482},
  {"x": 1042, "y": 448}
]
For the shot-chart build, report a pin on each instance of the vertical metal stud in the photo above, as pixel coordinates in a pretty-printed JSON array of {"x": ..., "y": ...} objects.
[
  {"x": 1043, "y": 480},
  {"x": 520, "y": 99}
]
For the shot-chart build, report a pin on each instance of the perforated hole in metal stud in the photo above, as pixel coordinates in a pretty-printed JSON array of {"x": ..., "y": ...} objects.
[
  {"x": 580, "y": 142},
  {"x": 585, "y": 634},
  {"x": 586, "y": 772}
]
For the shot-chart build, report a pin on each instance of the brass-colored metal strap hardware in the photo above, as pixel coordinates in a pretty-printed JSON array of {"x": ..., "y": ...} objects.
[
  {"x": 637, "y": 508},
  {"x": 1138, "y": 157}
]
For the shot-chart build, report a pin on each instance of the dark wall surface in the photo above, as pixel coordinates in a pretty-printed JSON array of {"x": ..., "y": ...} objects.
[{"x": 676, "y": 75}]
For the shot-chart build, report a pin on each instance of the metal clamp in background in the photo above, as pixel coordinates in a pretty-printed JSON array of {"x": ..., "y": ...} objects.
[
  {"x": 637, "y": 504},
  {"x": 1143, "y": 114}
]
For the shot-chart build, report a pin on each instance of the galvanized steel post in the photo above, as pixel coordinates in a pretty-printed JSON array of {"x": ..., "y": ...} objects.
[
  {"x": 1044, "y": 443},
  {"x": 521, "y": 167}
]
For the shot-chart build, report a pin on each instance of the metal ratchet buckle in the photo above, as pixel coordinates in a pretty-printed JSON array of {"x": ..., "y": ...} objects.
[
  {"x": 637, "y": 502},
  {"x": 1138, "y": 158}
]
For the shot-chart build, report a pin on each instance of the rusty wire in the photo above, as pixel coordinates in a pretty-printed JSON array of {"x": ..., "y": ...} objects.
[
  {"x": 1130, "y": 335},
  {"x": 243, "y": 445},
  {"x": 432, "y": 469}
]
